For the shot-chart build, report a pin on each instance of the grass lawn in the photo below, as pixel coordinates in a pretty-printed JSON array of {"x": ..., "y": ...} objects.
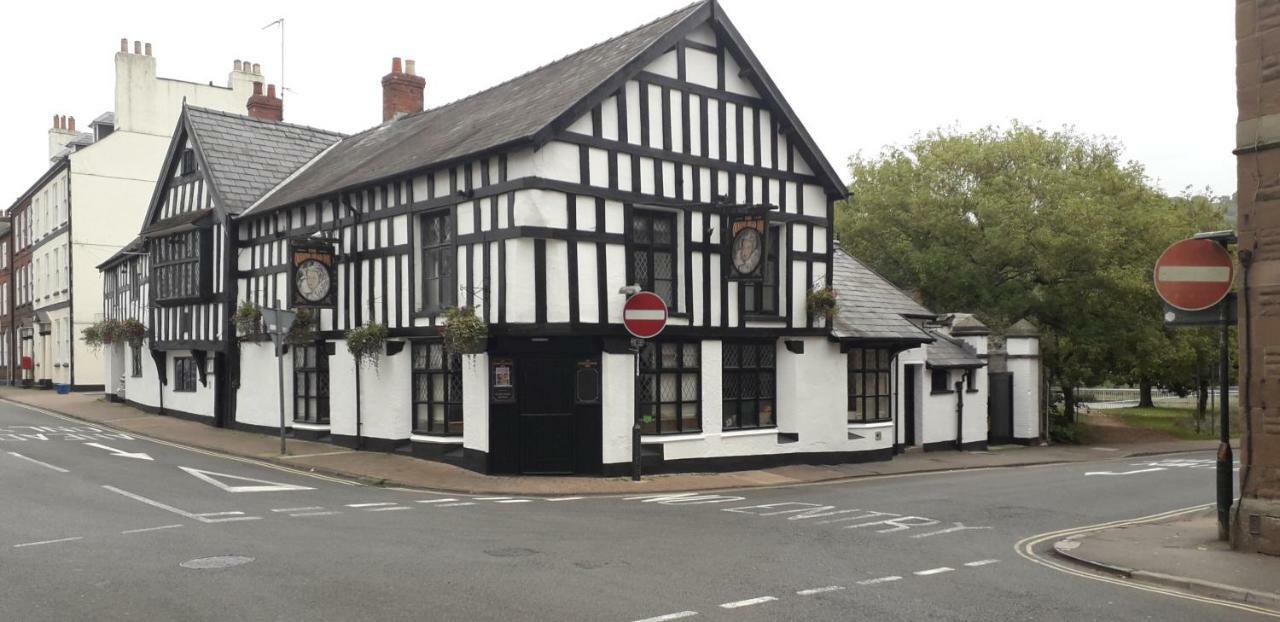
[{"x": 1179, "y": 422}]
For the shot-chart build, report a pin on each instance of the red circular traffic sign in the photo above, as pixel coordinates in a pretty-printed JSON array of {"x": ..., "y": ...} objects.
[
  {"x": 644, "y": 315},
  {"x": 1193, "y": 275}
]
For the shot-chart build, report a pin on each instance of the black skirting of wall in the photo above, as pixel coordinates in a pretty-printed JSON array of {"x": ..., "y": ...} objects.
[
  {"x": 257, "y": 429},
  {"x": 88, "y": 388},
  {"x": 305, "y": 434},
  {"x": 1029, "y": 442},
  {"x": 452, "y": 453},
  {"x": 169, "y": 412},
  {"x": 951, "y": 446},
  {"x": 369, "y": 443},
  {"x": 112, "y": 397},
  {"x": 743, "y": 463}
]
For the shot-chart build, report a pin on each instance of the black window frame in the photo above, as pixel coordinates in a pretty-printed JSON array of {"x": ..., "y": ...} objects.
[
  {"x": 761, "y": 298},
  {"x": 870, "y": 367},
  {"x": 641, "y": 242},
  {"x": 180, "y": 267},
  {"x": 970, "y": 379},
  {"x": 313, "y": 375},
  {"x": 934, "y": 384},
  {"x": 442, "y": 250},
  {"x": 745, "y": 373},
  {"x": 135, "y": 362},
  {"x": 188, "y": 164},
  {"x": 656, "y": 367},
  {"x": 426, "y": 368},
  {"x": 185, "y": 375}
]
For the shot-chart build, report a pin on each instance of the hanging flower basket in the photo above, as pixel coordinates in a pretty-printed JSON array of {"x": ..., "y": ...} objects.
[
  {"x": 822, "y": 303},
  {"x": 303, "y": 330},
  {"x": 464, "y": 332},
  {"x": 131, "y": 332},
  {"x": 248, "y": 320},
  {"x": 366, "y": 343},
  {"x": 92, "y": 335}
]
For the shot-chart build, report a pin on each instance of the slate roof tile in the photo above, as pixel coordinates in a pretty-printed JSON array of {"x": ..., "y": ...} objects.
[{"x": 870, "y": 307}]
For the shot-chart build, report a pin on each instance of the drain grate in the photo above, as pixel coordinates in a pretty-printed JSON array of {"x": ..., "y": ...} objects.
[{"x": 220, "y": 561}]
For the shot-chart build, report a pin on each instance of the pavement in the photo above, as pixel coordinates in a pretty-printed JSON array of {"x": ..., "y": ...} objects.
[
  {"x": 99, "y": 523},
  {"x": 400, "y": 470},
  {"x": 1182, "y": 552}
]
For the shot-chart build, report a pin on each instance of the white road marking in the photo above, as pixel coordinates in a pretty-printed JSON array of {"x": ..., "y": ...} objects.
[
  {"x": 933, "y": 571},
  {"x": 43, "y": 464},
  {"x": 748, "y": 602},
  {"x": 670, "y": 616},
  {"x": 491, "y": 498},
  {"x": 169, "y": 508},
  {"x": 982, "y": 562},
  {"x": 314, "y": 507},
  {"x": 1124, "y": 472},
  {"x": 369, "y": 505},
  {"x": 260, "y": 485},
  {"x": 122, "y": 454},
  {"x": 879, "y": 580},
  {"x": 954, "y": 528},
  {"x": 314, "y": 514},
  {"x": 390, "y": 509},
  {"x": 436, "y": 500},
  {"x": 454, "y": 505},
  {"x": 516, "y": 501},
  {"x": 575, "y": 499},
  {"x": 151, "y": 529},
  {"x": 235, "y": 513},
  {"x": 820, "y": 590},
  {"x": 18, "y": 546}
]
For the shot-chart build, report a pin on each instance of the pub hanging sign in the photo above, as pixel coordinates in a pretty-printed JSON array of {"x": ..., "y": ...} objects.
[
  {"x": 312, "y": 274},
  {"x": 747, "y": 241}
]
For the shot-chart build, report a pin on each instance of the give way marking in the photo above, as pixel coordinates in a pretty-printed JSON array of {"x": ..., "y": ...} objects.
[
  {"x": 122, "y": 454},
  {"x": 1124, "y": 472},
  {"x": 259, "y": 485}
]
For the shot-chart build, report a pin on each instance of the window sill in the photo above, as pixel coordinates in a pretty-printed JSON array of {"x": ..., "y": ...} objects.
[
  {"x": 771, "y": 431},
  {"x": 763, "y": 317},
  {"x": 434, "y": 438},
  {"x": 303, "y": 425},
  {"x": 870, "y": 425},
  {"x": 672, "y": 438},
  {"x": 941, "y": 392}
]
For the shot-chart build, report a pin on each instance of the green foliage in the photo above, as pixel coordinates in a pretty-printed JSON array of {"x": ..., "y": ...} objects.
[
  {"x": 464, "y": 332},
  {"x": 303, "y": 330},
  {"x": 248, "y": 320},
  {"x": 131, "y": 331},
  {"x": 107, "y": 332},
  {"x": 92, "y": 335},
  {"x": 366, "y": 343},
  {"x": 822, "y": 302},
  {"x": 1065, "y": 431},
  {"x": 1027, "y": 223},
  {"x": 1179, "y": 422}
]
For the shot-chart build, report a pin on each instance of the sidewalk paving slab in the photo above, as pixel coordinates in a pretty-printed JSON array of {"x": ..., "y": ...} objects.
[
  {"x": 1183, "y": 553},
  {"x": 391, "y": 469}
]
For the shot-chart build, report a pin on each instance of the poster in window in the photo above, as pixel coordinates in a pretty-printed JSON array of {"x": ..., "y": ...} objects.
[
  {"x": 312, "y": 274},
  {"x": 587, "y": 383},
  {"x": 503, "y": 389},
  {"x": 747, "y": 247}
]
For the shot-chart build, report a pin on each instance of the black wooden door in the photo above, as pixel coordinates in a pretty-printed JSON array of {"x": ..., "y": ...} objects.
[
  {"x": 1000, "y": 407},
  {"x": 222, "y": 401},
  {"x": 545, "y": 419},
  {"x": 909, "y": 405}
]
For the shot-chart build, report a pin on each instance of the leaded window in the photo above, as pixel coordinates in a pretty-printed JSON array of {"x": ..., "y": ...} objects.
[
  {"x": 870, "y": 391},
  {"x": 135, "y": 362},
  {"x": 762, "y": 297},
  {"x": 176, "y": 266},
  {"x": 184, "y": 374},
  {"x": 437, "y": 390},
  {"x": 310, "y": 384},
  {"x": 670, "y": 386},
  {"x": 750, "y": 375},
  {"x": 437, "y": 261},
  {"x": 653, "y": 253}
]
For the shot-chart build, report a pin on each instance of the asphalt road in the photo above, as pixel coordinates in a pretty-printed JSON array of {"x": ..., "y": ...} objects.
[{"x": 92, "y": 530}]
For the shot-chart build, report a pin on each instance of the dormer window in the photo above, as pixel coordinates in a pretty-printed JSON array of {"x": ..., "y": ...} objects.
[{"x": 180, "y": 269}]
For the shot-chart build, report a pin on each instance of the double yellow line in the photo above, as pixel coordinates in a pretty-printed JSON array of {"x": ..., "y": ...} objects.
[{"x": 1026, "y": 548}]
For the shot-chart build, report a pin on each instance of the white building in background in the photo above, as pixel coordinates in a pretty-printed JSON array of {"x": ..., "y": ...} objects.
[{"x": 88, "y": 208}]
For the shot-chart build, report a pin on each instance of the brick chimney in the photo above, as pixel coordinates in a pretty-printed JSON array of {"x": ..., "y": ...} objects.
[
  {"x": 60, "y": 134},
  {"x": 401, "y": 91},
  {"x": 266, "y": 107}
]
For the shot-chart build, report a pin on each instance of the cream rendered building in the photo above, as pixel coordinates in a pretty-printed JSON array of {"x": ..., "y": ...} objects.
[{"x": 93, "y": 207}]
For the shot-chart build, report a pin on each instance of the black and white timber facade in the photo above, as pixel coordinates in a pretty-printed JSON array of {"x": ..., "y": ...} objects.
[{"x": 535, "y": 202}]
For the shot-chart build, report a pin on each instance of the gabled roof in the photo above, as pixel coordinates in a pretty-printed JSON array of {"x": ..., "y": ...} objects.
[
  {"x": 524, "y": 110},
  {"x": 133, "y": 248},
  {"x": 246, "y": 156},
  {"x": 869, "y": 307},
  {"x": 948, "y": 352}
]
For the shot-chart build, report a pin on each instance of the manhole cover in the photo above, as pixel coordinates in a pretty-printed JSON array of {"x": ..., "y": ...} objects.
[{"x": 221, "y": 561}]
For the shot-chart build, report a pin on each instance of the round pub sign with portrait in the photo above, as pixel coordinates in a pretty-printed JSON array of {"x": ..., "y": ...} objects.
[{"x": 1194, "y": 275}]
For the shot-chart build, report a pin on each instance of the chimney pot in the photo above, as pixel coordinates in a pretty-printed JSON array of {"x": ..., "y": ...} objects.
[
  {"x": 271, "y": 91},
  {"x": 55, "y": 121},
  {"x": 62, "y": 122},
  {"x": 395, "y": 65},
  {"x": 401, "y": 92},
  {"x": 71, "y": 124},
  {"x": 137, "y": 47},
  {"x": 148, "y": 50},
  {"x": 410, "y": 67},
  {"x": 257, "y": 69},
  {"x": 236, "y": 66},
  {"x": 124, "y": 45},
  {"x": 257, "y": 88}
]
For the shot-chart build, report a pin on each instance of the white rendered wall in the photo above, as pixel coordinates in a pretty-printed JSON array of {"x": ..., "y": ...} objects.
[
  {"x": 475, "y": 401},
  {"x": 1024, "y": 363},
  {"x": 198, "y": 402},
  {"x": 145, "y": 389},
  {"x": 385, "y": 392},
  {"x": 939, "y": 417},
  {"x": 258, "y": 398},
  {"x": 617, "y": 406},
  {"x": 342, "y": 391}
]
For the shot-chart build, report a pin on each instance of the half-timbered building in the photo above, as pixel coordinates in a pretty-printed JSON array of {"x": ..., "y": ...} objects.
[{"x": 635, "y": 162}]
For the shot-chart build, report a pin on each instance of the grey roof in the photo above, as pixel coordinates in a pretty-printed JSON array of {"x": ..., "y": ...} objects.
[
  {"x": 84, "y": 139},
  {"x": 127, "y": 251},
  {"x": 963, "y": 324},
  {"x": 248, "y": 156},
  {"x": 508, "y": 113},
  {"x": 1022, "y": 328},
  {"x": 869, "y": 307},
  {"x": 947, "y": 351},
  {"x": 108, "y": 118}
]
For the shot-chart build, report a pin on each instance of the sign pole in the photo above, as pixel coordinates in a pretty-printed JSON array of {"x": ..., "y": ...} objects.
[
  {"x": 637, "y": 345},
  {"x": 1225, "y": 458},
  {"x": 280, "y": 373},
  {"x": 644, "y": 315}
]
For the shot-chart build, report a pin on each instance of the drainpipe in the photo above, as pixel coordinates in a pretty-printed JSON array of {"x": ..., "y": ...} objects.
[{"x": 960, "y": 414}]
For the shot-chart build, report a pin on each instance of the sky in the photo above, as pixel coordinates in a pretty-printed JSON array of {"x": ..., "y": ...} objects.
[{"x": 1156, "y": 75}]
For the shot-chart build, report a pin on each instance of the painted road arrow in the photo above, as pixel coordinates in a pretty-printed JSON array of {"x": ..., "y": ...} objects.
[
  {"x": 259, "y": 485},
  {"x": 122, "y": 454},
  {"x": 1124, "y": 472}
]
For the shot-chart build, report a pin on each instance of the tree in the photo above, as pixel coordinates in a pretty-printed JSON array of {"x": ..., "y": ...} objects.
[{"x": 1023, "y": 223}]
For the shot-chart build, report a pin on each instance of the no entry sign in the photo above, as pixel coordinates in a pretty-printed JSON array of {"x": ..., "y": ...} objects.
[
  {"x": 1193, "y": 275},
  {"x": 644, "y": 315}
]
